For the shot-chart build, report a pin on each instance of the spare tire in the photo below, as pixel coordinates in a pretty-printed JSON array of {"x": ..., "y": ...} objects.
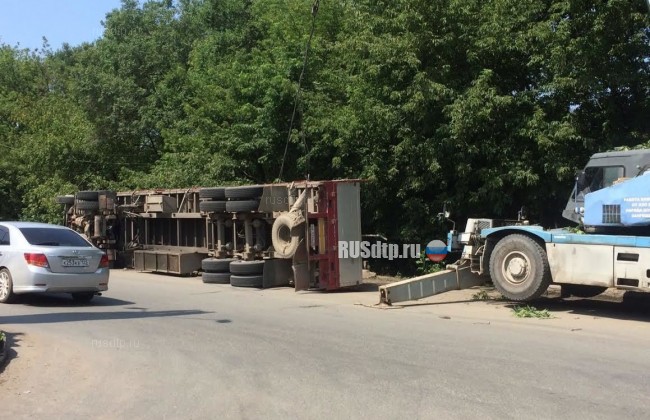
[
  {"x": 243, "y": 193},
  {"x": 65, "y": 199},
  {"x": 213, "y": 193},
  {"x": 216, "y": 265},
  {"x": 285, "y": 239},
  {"x": 247, "y": 267},
  {"x": 212, "y": 206},
  {"x": 216, "y": 278},
  {"x": 247, "y": 281}
]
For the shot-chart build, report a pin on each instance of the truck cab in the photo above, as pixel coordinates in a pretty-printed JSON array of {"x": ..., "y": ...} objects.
[
  {"x": 604, "y": 170},
  {"x": 611, "y": 200}
]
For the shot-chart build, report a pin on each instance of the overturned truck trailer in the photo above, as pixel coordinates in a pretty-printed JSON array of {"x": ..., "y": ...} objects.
[{"x": 256, "y": 235}]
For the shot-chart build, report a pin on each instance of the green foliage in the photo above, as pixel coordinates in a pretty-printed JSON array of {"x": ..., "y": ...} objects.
[
  {"x": 481, "y": 295},
  {"x": 425, "y": 266},
  {"x": 490, "y": 105},
  {"x": 575, "y": 229},
  {"x": 530, "y": 312}
]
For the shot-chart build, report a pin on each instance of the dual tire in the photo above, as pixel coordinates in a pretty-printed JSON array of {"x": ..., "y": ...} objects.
[
  {"x": 247, "y": 273},
  {"x": 216, "y": 271},
  {"x": 235, "y": 272},
  {"x": 68, "y": 200},
  {"x": 230, "y": 200},
  {"x": 213, "y": 200},
  {"x": 243, "y": 199},
  {"x": 83, "y": 201}
]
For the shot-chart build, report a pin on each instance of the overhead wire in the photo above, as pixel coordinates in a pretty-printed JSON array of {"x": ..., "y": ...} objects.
[{"x": 314, "y": 12}]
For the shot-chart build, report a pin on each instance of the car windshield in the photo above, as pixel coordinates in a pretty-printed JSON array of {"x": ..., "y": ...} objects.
[{"x": 53, "y": 237}]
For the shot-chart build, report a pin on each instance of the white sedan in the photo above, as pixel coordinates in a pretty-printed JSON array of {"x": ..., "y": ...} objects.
[{"x": 40, "y": 257}]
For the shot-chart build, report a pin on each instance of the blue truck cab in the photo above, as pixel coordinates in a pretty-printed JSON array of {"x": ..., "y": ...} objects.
[{"x": 610, "y": 248}]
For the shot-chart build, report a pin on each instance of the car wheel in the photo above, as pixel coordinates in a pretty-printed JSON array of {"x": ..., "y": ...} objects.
[
  {"x": 6, "y": 286},
  {"x": 83, "y": 297}
]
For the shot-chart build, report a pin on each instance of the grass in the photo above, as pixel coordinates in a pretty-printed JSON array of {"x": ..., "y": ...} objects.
[
  {"x": 481, "y": 295},
  {"x": 531, "y": 312},
  {"x": 484, "y": 295}
]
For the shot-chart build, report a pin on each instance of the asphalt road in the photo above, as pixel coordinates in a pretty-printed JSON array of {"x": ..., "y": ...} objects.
[{"x": 163, "y": 347}]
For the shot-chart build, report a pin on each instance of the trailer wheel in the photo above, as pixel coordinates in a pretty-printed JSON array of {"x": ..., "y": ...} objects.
[
  {"x": 246, "y": 281},
  {"x": 86, "y": 205},
  {"x": 65, "y": 199},
  {"x": 216, "y": 265},
  {"x": 243, "y": 193},
  {"x": 212, "y": 206},
  {"x": 519, "y": 268},
  {"x": 247, "y": 267},
  {"x": 213, "y": 193},
  {"x": 242, "y": 206},
  {"x": 216, "y": 278},
  {"x": 581, "y": 290},
  {"x": 87, "y": 195}
]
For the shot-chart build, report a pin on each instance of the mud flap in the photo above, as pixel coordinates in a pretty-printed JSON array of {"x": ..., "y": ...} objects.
[
  {"x": 277, "y": 273},
  {"x": 301, "y": 267}
]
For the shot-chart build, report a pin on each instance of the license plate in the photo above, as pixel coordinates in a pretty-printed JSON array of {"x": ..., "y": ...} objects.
[{"x": 74, "y": 262}]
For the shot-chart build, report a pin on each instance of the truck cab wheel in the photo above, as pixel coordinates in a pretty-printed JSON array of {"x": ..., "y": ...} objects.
[{"x": 519, "y": 268}]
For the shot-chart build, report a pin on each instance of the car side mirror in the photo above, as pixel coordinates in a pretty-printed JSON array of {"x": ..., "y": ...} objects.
[{"x": 445, "y": 211}]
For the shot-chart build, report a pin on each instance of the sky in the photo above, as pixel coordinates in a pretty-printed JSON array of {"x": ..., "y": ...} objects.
[{"x": 72, "y": 21}]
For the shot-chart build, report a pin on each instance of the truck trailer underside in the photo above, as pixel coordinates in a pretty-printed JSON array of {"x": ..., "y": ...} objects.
[{"x": 290, "y": 229}]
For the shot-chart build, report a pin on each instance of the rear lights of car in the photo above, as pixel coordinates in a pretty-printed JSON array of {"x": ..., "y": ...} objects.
[
  {"x": 38, "y": 260},
  {"x": 103, "y": 263}
]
